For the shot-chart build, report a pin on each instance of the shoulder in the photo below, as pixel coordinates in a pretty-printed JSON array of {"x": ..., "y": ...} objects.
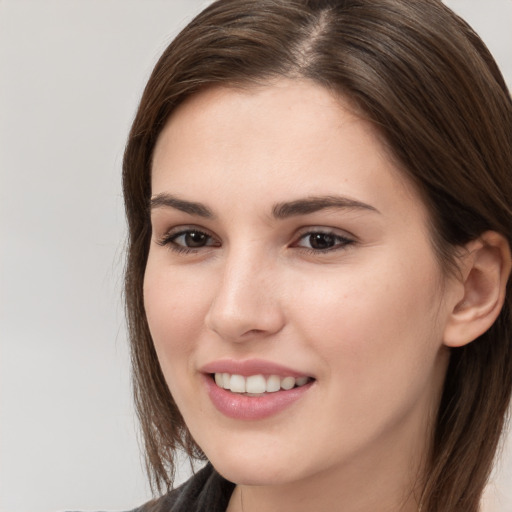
[{"x": 206, "y": 491}]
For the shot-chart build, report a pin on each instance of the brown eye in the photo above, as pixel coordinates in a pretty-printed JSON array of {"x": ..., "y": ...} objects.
[
  {"x": 188, "y": 239},
  {"x": 194, "y": 239},
  {"x": 319, "y": 241}
]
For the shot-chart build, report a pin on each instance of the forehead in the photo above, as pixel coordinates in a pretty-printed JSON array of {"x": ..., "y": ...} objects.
[{"x": 288, "y": 137}]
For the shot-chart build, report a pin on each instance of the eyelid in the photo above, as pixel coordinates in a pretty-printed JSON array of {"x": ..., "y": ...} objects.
[
  {"x": 167, "y": 239},
  {"x": 344, "y": 239},
  {"x": 327, "y": 230}
]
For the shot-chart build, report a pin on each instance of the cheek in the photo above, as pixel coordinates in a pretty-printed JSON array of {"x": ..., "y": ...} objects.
[
  {"x": 173, "y": 304},
  {"x": 380, "y": 343},
  {"x": 375, "y": 323}
]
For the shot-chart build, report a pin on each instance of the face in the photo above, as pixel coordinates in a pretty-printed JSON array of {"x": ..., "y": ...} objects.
[{"x": 291, "y": 263}]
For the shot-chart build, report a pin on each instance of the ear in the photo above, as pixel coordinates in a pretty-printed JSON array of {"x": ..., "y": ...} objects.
[{"x": 485, "y": 269}]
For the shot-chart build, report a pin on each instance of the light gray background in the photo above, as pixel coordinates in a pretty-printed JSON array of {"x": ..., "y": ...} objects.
[{"x": 71, "y": 73}]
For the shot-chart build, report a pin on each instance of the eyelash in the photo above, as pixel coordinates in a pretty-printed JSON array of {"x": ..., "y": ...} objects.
[
  {"x": 169, "y": 239},
  {"x": 340, "y": 242}
]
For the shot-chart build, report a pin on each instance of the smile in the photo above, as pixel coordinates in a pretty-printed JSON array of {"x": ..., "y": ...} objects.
[
  {"x": 257, "y": 385},
  {"x": 254, "y": 389}
]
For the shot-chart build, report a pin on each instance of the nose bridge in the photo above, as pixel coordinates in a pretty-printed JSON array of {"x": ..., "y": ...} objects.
[{"x": 246, "y": 301}]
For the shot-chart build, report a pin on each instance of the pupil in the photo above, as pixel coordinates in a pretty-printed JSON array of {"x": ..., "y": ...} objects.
[
  {"x": 321, "y": 241},
  {"x": 195, "y": 239}
]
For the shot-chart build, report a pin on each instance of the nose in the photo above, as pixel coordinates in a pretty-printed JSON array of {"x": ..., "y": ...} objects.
[{"x": 246, "y": 303}]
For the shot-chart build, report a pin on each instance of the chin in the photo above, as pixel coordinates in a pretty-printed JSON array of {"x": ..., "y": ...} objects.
[{"x": 257, "y": 467}]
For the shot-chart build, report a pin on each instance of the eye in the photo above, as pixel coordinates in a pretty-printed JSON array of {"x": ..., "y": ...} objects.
[
  {"x": 320, "y": 241},
  {"x": 188, "y": 240},
  {"x": 191, "y": 239}
]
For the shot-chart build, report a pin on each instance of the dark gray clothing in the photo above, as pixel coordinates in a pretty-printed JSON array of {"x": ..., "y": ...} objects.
[{"x": 206, "y": 491}]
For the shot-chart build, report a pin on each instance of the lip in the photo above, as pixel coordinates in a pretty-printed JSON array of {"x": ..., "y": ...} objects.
[
  {"x": 243, "y": 407},
  {"x": 250, "y": 367}
]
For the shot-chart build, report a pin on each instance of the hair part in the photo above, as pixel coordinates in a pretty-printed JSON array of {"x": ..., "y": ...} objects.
[{"x": 429, "y": 85}]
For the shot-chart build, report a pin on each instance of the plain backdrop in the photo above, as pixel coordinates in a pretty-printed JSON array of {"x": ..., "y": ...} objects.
[{"x": 71, "y": 73}]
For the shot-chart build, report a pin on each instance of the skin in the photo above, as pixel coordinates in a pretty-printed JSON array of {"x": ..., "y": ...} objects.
[{"x": 366, "y": 318}]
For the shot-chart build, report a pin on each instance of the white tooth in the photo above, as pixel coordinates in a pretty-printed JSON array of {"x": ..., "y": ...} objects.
[
  {"x": 226, "y": 378},
  {"x": 255, "y": 384},
  {"x": 219, "y": 380},
  {"x": 273, "y": 384},
  {"x": 288, "y": 383},
  {"x": 237, "y": 384},
  {"x": 301, "y": 381}
]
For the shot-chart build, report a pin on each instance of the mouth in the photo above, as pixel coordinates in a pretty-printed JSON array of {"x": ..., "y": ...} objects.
[
  {"x": 254, "y": 389},
  {"x": 258, "y": 385}
]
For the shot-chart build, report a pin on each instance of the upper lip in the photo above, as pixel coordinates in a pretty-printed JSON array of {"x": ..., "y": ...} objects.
[{"x": 250, "y": 367}]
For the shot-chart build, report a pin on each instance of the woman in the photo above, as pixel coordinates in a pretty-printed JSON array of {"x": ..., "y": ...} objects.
[{"x": 318, "y": 198}]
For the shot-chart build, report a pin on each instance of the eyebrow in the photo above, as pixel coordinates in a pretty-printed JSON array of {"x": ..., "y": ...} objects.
[
  {"x": 190, "y": 207},
  {"x": 315, "y": 204},
  {"x": 280, "y": 211}
]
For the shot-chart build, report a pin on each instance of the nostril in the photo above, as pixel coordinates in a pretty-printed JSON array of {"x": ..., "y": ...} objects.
[{"x": 253, "y": 332}]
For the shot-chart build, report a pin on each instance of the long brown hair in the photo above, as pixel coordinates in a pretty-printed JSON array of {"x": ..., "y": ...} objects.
[{"x": 429, "y": 85}]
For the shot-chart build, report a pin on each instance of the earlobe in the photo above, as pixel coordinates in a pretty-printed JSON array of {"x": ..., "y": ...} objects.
[{"x": 485, "y": 270}]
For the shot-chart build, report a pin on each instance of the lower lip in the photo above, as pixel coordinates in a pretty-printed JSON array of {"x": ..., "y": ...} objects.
[{"x": 243, "y": 407}]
